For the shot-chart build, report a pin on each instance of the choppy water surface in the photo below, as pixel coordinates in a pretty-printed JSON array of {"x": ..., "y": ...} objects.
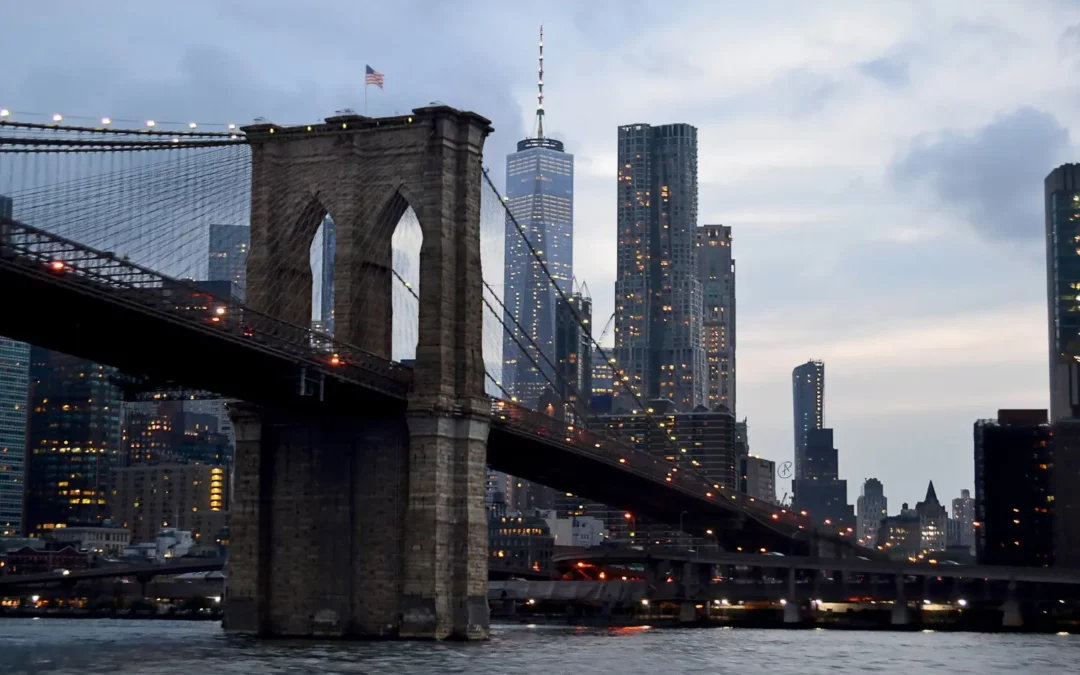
[{"x": 163, "y": 647}]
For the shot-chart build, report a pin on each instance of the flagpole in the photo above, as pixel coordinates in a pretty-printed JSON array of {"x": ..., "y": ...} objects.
[{"x": 365, "y": 96}]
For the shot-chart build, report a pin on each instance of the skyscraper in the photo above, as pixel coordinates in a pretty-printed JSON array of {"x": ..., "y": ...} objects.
[
  {"x": 870, "y": 509},
  {"x": 716, "y": 272},
  {"x": 963, "y": 514},
  {"x": 540, "y": 200},
  {"x": 573, "y": 354},
  {"x": 1062, "y": 198},
  {"x": 228, "y": 256},
  {"x": 14, "y": 382},
  {"x": 658, "y": 323},
  {"x": 75, "y": 440},
  {"x": 808, "y": 398},
  {"x": 1014, "y": 498},
  {"x": 821, "y": 492}
]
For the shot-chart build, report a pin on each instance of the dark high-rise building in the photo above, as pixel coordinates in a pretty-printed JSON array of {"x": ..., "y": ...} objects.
[
  {"x": 7, "y": 207},
  {"x": 75, "y": 440},
  {"x": 1065, "y": 478},
  {"x": 540, "y": 201},
  {"x": 716, "y": 272},
  {"x": 1062, "y": 198},
  {"x": 872, "y": 507},
  {"x": 704, "y": 440},
  {"x": 228, "y": 256},
  {"x": 658, "y": 324},
  {"x": 742, "y": 438},
  {"x": 757, "y": 477},
  {"x": 573, "y": 354},
  {"x": 170, "y": 432},
  {"x": 1014, "y": 499},
  {"x": 808, "y": 398},
  {"x": 14, "y": 384},
  {"x": 821, "y": 492}
]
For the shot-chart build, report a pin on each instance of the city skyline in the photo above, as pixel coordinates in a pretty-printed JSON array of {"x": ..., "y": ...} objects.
[{"x": 862, "y": 203}]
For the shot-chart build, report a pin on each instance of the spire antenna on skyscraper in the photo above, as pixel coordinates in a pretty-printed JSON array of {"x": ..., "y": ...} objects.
[{"x": 540, "y": 90}]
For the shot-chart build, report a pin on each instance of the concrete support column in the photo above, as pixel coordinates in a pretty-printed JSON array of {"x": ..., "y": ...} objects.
[
  {"x": 900, "y": 615},
  {"x": 1011, "y": 614},
  {"x": 791, "y": 606},
  {"x": 687, "y": 612}
]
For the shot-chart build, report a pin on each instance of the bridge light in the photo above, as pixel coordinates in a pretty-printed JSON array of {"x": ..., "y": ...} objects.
[
  {"x": 34, "y": 598},
  {"x": 622, "y": 460},
  {"x": 724, "y": 602},
  {"x": 231, "y": 127},
  {"x": 335, "y": 360},
  {"x": 708, "y": 494},
  {"x": 192, "y": 125},
  {"x": 57, "y": 266},
  {"x": 151, "y": 123},
  {"x": 708, "y": 531},
  {"x": 106, "y": 121},
  {"x": 926, "y": 601},
  {"x": 828, "y": 522},
  {"x": 764, "y": 551},
  {"x": 580, "y": 564},
  {"x": 532, "y": 601},
  {"x": 627, "y": 515},
  {"x": 644, "y": 602},
  {"x": 57, "y": 118},
  {"x": 962, "y": 602},
  {"x": 603, "y": 576},
  {"x": 776, "y": 516},
  {"x": 783, "y": 602},
  {"x": 802, "y": 513},
  {"x": 5, "y": 112}
]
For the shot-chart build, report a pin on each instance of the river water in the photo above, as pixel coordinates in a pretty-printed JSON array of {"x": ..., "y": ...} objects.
[{"x": 195, "y": 648}]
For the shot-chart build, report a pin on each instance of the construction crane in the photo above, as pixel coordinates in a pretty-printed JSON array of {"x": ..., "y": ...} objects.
[{"x": 607, "y": 327}]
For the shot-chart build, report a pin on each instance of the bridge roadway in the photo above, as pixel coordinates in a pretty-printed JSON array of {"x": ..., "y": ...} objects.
[
  {"x": 92, "y": 304},
  {"x": 185, "y": 566},
  {"x": 855, "y": 565},
  {"x": 147, "y": 570}
]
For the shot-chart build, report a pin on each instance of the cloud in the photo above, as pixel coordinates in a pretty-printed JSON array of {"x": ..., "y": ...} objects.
[
  {"x": 992, "y": 176},
  {"x": 888, "y": 70}
]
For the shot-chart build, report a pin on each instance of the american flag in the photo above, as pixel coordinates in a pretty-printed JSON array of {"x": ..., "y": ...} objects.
[{"x": 374, "y": 77}]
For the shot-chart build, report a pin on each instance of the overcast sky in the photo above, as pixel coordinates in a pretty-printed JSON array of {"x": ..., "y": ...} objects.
[{"x": 881, "y": 163}]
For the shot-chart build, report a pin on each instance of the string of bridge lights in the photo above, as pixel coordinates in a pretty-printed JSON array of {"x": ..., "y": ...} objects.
[{"x": 6, "y": 113}]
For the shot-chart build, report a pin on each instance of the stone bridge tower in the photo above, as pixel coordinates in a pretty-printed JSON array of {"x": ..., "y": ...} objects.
[{"x": 368, "y": 524}]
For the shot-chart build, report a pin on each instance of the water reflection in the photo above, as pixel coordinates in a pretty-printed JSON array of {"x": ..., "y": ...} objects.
[{"x": 192, "y": 648}]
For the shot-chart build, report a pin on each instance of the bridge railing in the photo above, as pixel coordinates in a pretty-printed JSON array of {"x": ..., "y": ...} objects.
[{"x": 63, "y": 261}]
